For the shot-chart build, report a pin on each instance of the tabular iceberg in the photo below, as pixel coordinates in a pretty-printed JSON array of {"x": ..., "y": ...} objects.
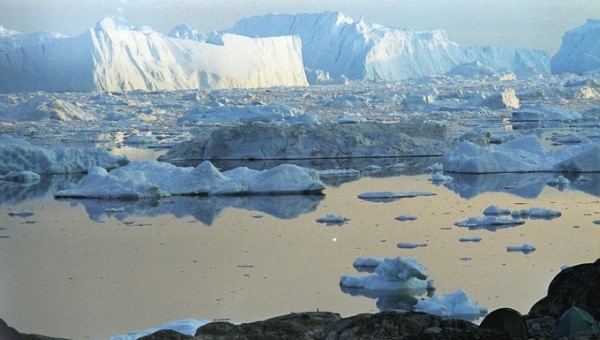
[{"x": 109, "y": 58}]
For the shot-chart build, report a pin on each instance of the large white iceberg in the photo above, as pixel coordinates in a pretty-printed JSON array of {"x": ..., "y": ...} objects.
[
  {"x": 455, "y": 304},
  {"x": 20, "y": 155},
  {"x": 145, "y": 179},
  {"x": 110, "y": 58},
  {"x": 337, "y": 44},
  {"x": 580, "y": 50}
]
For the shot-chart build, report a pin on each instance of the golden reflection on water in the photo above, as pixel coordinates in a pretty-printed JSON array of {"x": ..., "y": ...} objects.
[{"x": 68, "y": 276}]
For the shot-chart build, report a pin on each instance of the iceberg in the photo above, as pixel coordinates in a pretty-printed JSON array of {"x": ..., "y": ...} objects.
[
  {"x": 111, "y": 58},
  {"x": 579, "y": 51},
  {"x": 148, "y": 179},
  {"x": 20, "y": 155},
  {"x": 524, "y": 154},
  {"x": 455, "y": 304},
  {"x": 342, "y": 47}
]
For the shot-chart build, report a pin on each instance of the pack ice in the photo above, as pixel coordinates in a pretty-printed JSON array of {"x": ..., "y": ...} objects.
[{"x": 111, "y": 58}]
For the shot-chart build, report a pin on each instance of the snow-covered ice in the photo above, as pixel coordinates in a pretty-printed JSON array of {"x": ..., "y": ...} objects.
[
  {"x": 495, "y": 210},
  {"x": 536, "y": 213},
  {"x": 470, "y": 239},
  {"x": 410, "y": 245},
  {"x": 21, "y": 213},
  {"x": 144, "y": 179}
]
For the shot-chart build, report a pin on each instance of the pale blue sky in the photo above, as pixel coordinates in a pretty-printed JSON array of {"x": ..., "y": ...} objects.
[{"x": 513, "y": 23}]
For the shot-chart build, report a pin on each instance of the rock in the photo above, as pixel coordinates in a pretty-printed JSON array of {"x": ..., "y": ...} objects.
[
  {"x": 574, "y": 286},
  {"x": 166, "y": 334},
  {"x": 324, "y": 325}
]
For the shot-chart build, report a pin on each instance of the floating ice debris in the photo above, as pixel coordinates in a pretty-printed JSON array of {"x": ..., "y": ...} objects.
[
  {"x": 20, "y": 177},
  {"x": 438, "y": 177},
  {"x": 495, "y": 210},
  {"x": 560, "y": 180},
  {"x": 570, "y": 139},
  {"x": 564, "y": 266},
  {"x": 534, "y": 113},
  {"x": 403, "y": 218},
  {"x": 489, "y": 222},
  {"x": 470, "y": 239},
  {"x": 596, "y": 221},
  {"x": 465, "y": 258},
  {"x": 409, "y": 245},
  {"x": 339, "y": 172},
  {"x": 21, "y": 213},
  {"x": 536, "y": 213},
  {"x": 437, "y": 166},
  {"x": 141, "y": 139},
  {"x": 374, "y": 195},
  {"x": 372, "y": 168},
  {"x": 333, "y": 219},
  {"x": 143, "y": 179},
  {"x": 185, "y": 326},
  {"x": 398, "y": 166},
  {"x": 455, "y": 304},
  {"x": 391, "y": 275},
  {"x": 368, "y": 261},
  {"x": 524, "y": 248}
]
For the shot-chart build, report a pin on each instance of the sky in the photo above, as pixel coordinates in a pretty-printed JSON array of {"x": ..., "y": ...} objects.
[{"x": 510, "y": 23}]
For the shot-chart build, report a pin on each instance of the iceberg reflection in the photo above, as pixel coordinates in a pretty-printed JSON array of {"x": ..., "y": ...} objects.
[{"x": 204, "y": 209}]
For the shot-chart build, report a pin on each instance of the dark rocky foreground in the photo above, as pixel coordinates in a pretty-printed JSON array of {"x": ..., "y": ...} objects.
[{"x": 578, "y": 285}]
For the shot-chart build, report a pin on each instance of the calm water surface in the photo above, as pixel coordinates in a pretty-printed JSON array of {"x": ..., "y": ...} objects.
[{"x": 92, "y": 269}]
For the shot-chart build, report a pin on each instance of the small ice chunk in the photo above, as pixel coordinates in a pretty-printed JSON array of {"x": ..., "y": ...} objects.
[
  {"x": 596, "y": 221},
  {"x": 470, "y": 239},
  {"x": 560, "y": 180},
  {"x": 465, "y": 258},
  {"x": 339, "y": 172},
  {"x": 372, "y": 168},
  {"x": 393, "y": 194},
  {"x": 185, "y": 326},
  {"x": 409, "y": 245},
  {"x": 489, "y": 221},
  {"x": 333, "y": 219},
  {"x": 368, "y": 261},
  {"x": 536, "y": 213},
  {"x": 21, "y": 213},
  {"x": 524, "y": 248},
  {"x": 437, "y": 166},
  {"x": 403, "y": 218},
  {"x": 495, "y": 210},
  {"x": 438, "y": 177}
]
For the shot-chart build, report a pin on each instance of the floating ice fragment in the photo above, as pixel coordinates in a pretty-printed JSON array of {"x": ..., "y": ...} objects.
[
  {"x": 495, "y": 210},
  {"x": 524, "y": 248},
  {"x": 333, "y": 219},
  {"x": 455, "y": 304},
  {"x": 438, "y": 177},
  {"x": 403, "y": 218},
  {"x": 470, "y": 239},
  {"x": 20, "y": 177},
  {"x": 409, "y": 245},
  {"x": 185, "y": 326},
  {"x": 536, "y": 213},
  {"x": 560, "y": 180},
  {"x": 437, "y": 166},
  {"x": 465, "y": 258},
  {"x": 386, "y": 195},
  {"x": 21, "y": 213},
  {"x": 372, "y": 168},
  {"x": 489, "y": 222},
  {"x": 596, "y": 221},
  {"x": 339, "y": 172}
]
